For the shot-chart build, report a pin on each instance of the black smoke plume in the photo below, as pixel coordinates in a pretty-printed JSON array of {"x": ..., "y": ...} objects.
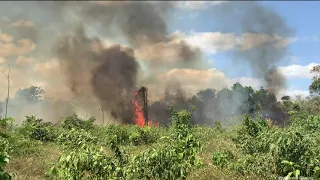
[
  {"x": 111, "y": 71},
  {"x": 114, "y": 70}
]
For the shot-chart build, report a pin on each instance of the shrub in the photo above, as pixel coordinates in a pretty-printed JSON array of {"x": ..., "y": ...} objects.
[
  {"x": 21, "y": 145},
  {"x": 76, "y": 138},
  {"x": 134, "y": 135},
  {"x": 38, "y": 130},
  {"x": 4, "y": 159},
  {"x": 75, "y": 122},
  {"x": 221, "y": 159},
  {"x": 171, "y": 161},
  {"x": 6, "y": 123},
  {"x": 256, "y": 140}
]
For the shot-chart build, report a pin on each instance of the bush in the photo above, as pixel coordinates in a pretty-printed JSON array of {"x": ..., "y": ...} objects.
[
  {"x": 4, "y": 159},
  {"x": 221, "y": 159},
  {"x": 21, "y": 145},
  {"x": 171, "y": 161},
  {"x": 6, "y": 123},
  {"x": 76, "y": 138},
  {"x": 75, "y": 122},
  {"x": 293, "y": 143},
  {"x": 38, "y": 130},
  {"x": 133, "y": 135}
]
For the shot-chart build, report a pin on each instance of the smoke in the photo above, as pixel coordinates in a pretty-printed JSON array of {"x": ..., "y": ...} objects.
[
  {"x": 96, "y": 73},
  {"x": 107, "y": 73},
  {"x": 174, "y": 96},
  {"x": 256, "y": 20},
  {"x": 113, "y": 71}
]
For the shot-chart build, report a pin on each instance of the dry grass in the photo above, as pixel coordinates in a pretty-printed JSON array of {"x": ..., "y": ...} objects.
[{"x": 34, "y": 166}]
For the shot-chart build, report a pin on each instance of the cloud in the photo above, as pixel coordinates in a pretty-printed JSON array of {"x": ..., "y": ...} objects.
[
  {"x": 211, "y": 42},
  {"x": 22, "y": 60},
  {"x": 297, "y": 71},
  {"x": 175, "y": 50},
  {"x": 47, "y": 68},
  {"x": 21, "y": 47},
  {"x": 23, "y": 23},
  {"x": 5, "y": 37}
]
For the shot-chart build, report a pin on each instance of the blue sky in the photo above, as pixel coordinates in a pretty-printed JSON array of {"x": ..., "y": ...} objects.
[{"x": 301, "y": 16}]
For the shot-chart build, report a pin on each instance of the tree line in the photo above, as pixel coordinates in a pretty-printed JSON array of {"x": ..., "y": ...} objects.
[{"x": 212, "y": 105}]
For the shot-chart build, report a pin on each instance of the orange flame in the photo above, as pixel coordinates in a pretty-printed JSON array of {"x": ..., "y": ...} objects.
[{"x": 139, "y": 119}]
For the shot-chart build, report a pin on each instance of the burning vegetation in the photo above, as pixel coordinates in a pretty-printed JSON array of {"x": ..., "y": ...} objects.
[{"x": 140, "y": 116}]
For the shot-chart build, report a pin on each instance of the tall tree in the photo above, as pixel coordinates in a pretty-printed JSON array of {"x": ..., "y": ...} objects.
[
  {"x": 314, "y": 88},
  {"x": 32, "y": 94}
]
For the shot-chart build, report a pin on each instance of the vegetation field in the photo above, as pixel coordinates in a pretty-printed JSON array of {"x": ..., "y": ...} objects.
[
  {"x": 77, "y": 149},
  {"x": 255, "y": 147}
]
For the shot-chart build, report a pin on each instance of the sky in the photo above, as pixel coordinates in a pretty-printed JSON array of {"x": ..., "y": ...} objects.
[
  {"x": 27, "y": 34},
  {"x": 303, "y": 53}
]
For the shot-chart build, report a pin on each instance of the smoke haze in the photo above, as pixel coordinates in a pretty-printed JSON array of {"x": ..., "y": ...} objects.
[
  {"x": 252, "y": 18},
  {"x": 95, "y": 74}
]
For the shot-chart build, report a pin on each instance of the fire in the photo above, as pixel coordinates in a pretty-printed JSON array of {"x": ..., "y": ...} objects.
[{"x": 139, "y": 119}]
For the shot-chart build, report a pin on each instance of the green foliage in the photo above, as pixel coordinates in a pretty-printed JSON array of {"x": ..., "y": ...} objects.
[
  {"x": 145, "y": 135},
  {"x": 75, "y": 122},
  {"x": 32, "y": 94},
  {"x": 38, "y": 130},
  {"x": 291, "y": 168},
  {"x": 221, "y": 158},
  {"x": 295, "y": 143},
  {"x": 6, "y": 123},
  {"x": 21, "y": 145},
  {"x": 86, "y": 163},
  {"x": 4, "y": 159},
  {"x": 134, "y": 135},
  {"x": 314, "y": 88},
  {"x": 247, "y": 135},
  {"x": 173, "y": 160},
  {"x": 316, "y": 173},
  {"x": 130, "y": 152},
  {"x": 76, "y": 138}
]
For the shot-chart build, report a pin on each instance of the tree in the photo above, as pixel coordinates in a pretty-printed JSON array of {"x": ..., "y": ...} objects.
[
  {"x": 32, "y": 94},
  {"x": 314, "y": 88}
]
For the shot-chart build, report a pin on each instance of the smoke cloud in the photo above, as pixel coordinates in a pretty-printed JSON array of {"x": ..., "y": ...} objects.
[
  {"x": 253, "y": 18},
  {"x": 112, "y": 72},
  {"x": 100, "y": 74}
]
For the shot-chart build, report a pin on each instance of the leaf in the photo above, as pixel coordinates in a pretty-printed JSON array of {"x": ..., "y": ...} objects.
[
  {"x": 297, "y": 173},
  {"x": 316, "y": 173},
  {"x": 68, "y": 158},
  {"x": 285, "y": 162},
  {"x": 288, "y": 176}
]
